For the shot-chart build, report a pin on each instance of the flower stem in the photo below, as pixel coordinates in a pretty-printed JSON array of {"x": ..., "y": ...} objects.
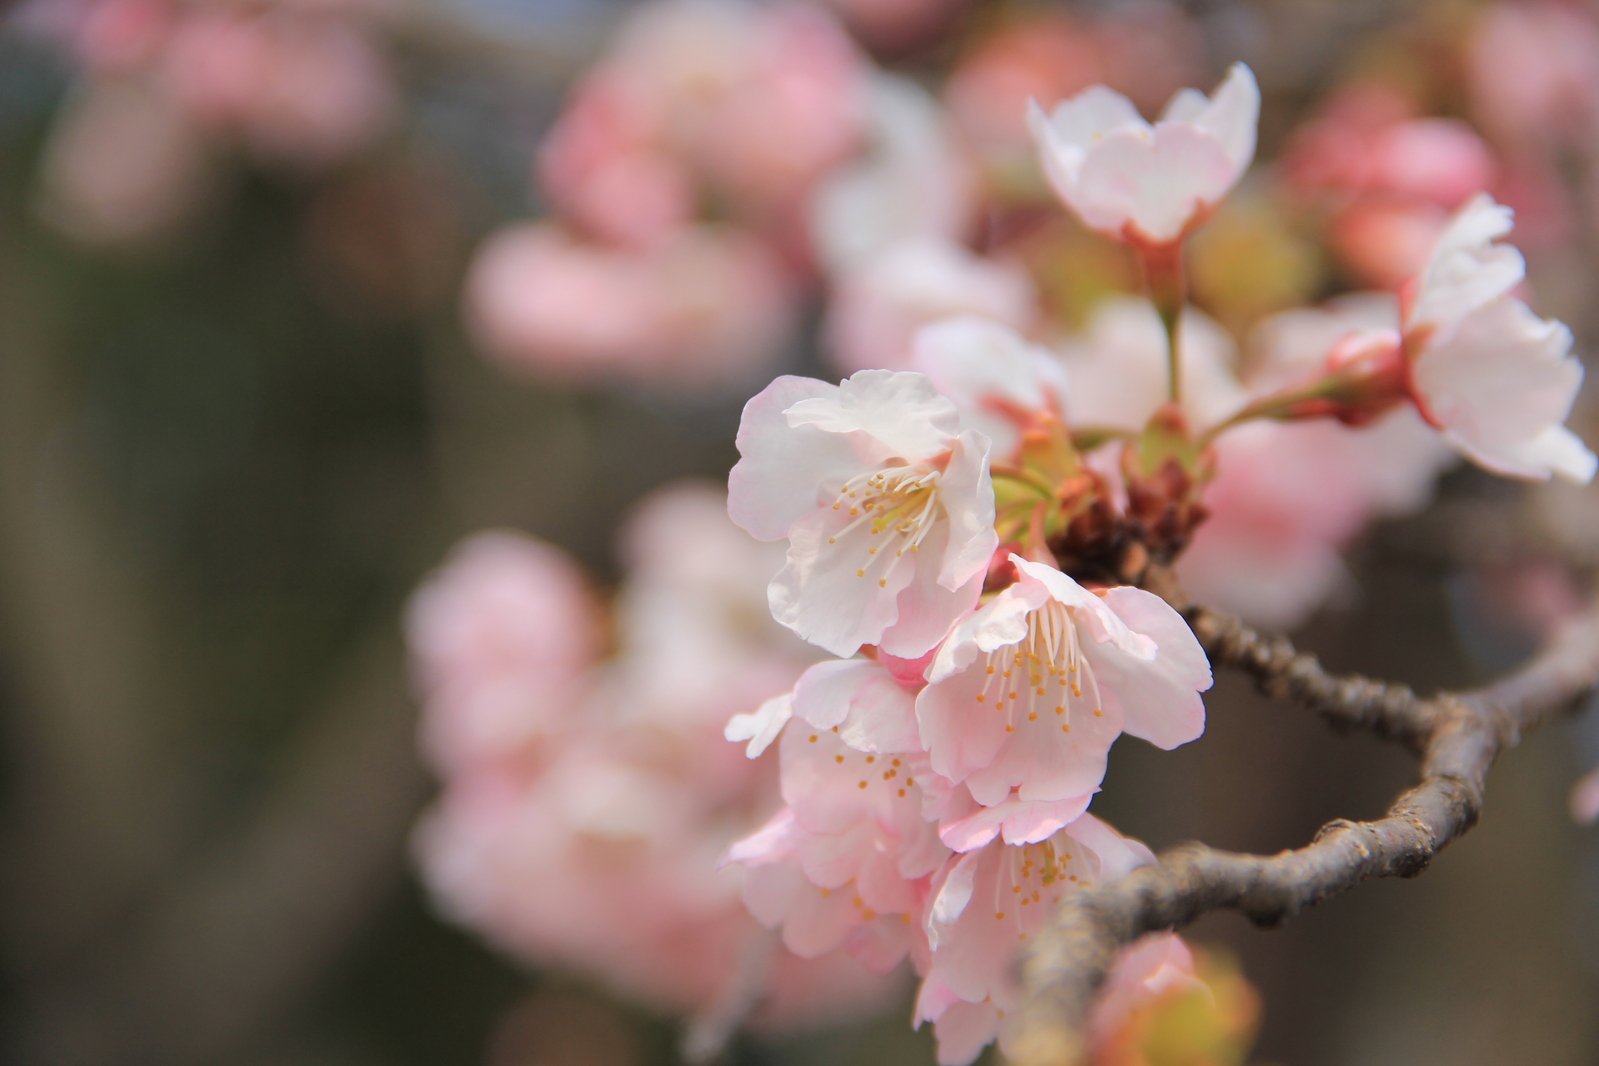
[{"x": 1166, "y": 287}]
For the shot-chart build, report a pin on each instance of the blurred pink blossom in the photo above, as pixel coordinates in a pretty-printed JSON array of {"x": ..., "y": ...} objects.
[
  {"x": 894, "y": 25},
  {"x": 294, "y": 87},
  {"x": 880, "y": 305},
  {"x": 605, "y": 166},
  {"x": 599, "y": 854},
  {"x": 299, "y": 83},
  {"x": 1146, "y": 50},
  {"x": 501, "y": 638},
  {"x": 760, "y": 101},
  {"x": 909, "y": 184},
  {"x": 706, "y": 309},
  {"x": 1534, "y": 68},
  {"x": 1390, "y": 178},
  {"x": 1148, "y": 968}
]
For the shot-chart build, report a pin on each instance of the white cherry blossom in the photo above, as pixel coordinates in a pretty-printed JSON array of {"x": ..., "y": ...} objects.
[
  {"x": 886, "y": 503},
  {"x": 1493, "y": 377},
  {"x": 1030, "y": 691},
  {"x": 1142, "y": 183}
]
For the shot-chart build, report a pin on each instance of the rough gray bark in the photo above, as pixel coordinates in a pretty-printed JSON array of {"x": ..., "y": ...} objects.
[{"x": 1457, "y": 737}]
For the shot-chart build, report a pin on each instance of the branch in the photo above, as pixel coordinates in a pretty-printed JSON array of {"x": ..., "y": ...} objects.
[
  {"x": 1458, "y": 735},
  {"x": 1281, "y": 671}
]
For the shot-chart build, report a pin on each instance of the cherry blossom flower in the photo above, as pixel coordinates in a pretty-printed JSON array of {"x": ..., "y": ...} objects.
[
  {"x": 1288, "y": 497},
  {"x": 604, "y": 865},
  {"x": 500, "y": 638},
  {"x": 1389, "y": 177},
  {"x": 703, "y": 310},
  {"x": 605, "y": 166},
  {"x": 1001, "y": 383},
  {"x": 1148, "y": 968},
  {"x": 986, "y": 904},
  {"x": 855, "y": 833},
  {"x": 885, "y": 501},
  {"x": 909, "y": 183},
  {"x": 1148, "y": 184},
  {"x": 879, "y": 305},
  {"x": 1493, "y": 377},
  {"x": 760, "y": 101},
  {"x": 585, "y": 803},
  {"x": 1030, "y": 691}
]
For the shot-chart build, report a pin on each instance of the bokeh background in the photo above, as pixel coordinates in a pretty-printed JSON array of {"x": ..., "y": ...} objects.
[{"x": 243, "y": 414}]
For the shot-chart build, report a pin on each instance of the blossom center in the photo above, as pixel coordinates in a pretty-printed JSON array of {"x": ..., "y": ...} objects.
[
  {"x": 1044, "y": 676},
  {"x": 891, "y": 512},
  {"x": 1032, "y": 876}
]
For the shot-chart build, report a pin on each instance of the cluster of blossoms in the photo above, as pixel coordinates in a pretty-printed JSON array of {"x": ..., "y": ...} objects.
[
  {"x": 167, "y": 85},
  {"x": 721, "y": 159},
  {"x": 586, "y": 797},
  {"x": 966, "y": 537},
  {"x": 678, "y": 176}
]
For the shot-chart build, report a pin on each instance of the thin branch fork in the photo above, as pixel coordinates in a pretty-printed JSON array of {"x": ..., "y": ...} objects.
[{"x": 1457, "y": 735}]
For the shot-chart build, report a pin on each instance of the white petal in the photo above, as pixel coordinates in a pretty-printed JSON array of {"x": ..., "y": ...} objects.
[
  {"x": 825, "y": 592},
  {"x": 1083, "y": 120},
  {"x": 761, "y": 726},
  {"x": 775, "y": 480},
  {"x": 1153, "y": 185},
  {"x": 1466, "y": 270},
  {"x": 953, "y": 896},
  {"x": 899, "y": 410},
  {"x": 1498, "y": 383},
  {"x": 1160, "y": 701},
  {"x": 1231, "y": 115},
  {"x": 966, "y": 494}
]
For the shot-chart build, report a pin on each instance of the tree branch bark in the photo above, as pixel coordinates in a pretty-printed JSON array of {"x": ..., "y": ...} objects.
[{"x": 1458, "y": 736}]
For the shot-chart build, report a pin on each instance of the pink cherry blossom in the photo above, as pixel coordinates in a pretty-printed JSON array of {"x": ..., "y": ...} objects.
[
  {"x": 985, "y": 905},
  {"x": 1147, "y": 969},
  {"x": 500, "y": 638},
  {"x": 1288, "y": 497},
  {"x": 855, "y": 832},
  {"x": 885, "y": 501},
  {"x": 895, "y": 24},
  {"x": 582, "y": 816},
  {"x": 1030, "y": 691},
  {"x": 1493, "y": 377},
  {"x": 692, "y": 614},
  {"x": 1387, "y": 177},
  {"x": 1534, "y": 70},
  {"x": 605, "y": 164},
  {"x": 856, "y": 828},
  {"x": 1001, "y": 383},
  {"x": 606, "y": 867},
  {"x": 761, "y": 101},
  {"x": 296, "y": 86},
  {"x": 1142, "y": 183},
  {"x": 703, "y": 310},
  {"x": 880, "y": 305}
]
